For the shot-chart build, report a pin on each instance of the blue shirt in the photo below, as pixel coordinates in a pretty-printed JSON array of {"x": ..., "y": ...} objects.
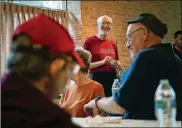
[{"x": 140, "y": 81}]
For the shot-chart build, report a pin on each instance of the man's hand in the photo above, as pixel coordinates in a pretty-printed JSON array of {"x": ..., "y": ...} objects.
[
  {"x": 91, "y": 107},
  {"x": 106, "y": 104},
  {"x": 118, "y": 65},
  {"x": 106, "y": 59}
]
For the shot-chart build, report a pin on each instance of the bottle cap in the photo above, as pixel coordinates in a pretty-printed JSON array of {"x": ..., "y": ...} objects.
[
  {"x": 164, "y": 81},
  {"x": 116, "y": 80}
]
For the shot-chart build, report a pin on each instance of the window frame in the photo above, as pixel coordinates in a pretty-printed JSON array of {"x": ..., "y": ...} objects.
[{"x": 42, "y": 7}]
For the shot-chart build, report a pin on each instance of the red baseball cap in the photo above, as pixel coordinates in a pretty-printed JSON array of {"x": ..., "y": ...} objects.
[{"x": 45, "y": 31}]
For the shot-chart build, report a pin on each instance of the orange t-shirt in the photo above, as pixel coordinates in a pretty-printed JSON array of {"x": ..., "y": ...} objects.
[{"x": 76, "y": 96}]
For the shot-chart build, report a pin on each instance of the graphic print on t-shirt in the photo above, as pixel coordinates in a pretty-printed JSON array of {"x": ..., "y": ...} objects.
[{"x": 106, "y": 49}]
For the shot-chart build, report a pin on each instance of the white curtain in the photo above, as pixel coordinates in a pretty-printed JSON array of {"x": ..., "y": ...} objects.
[{"x": 12, "y": 15}]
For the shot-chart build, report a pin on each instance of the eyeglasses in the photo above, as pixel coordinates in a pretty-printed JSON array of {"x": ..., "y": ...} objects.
[
  {"x": 128, "y": 37},
  {"x": 108, "y": 23}
]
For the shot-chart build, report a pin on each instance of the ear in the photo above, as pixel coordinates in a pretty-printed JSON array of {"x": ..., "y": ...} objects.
[
  {"x": 97, "y": 26},
  {"x": 56, "y": 65},
  {"x": 146, "y": 34}
]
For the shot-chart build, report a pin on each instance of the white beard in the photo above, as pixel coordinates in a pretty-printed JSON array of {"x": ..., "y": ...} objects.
[
  {"x": 103, "y": 32},
  {"x": 132, "y": 55}
]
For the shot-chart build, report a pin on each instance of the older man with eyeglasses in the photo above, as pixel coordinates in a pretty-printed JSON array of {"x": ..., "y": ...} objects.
[
  {"x": 152, "y": 61},
  {"x": 105, "y": 60}
]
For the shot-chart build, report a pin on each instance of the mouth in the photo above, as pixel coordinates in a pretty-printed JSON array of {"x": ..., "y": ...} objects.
[
  {"x": 105, "y": 29},
  {"x": 129, "y": 47}
]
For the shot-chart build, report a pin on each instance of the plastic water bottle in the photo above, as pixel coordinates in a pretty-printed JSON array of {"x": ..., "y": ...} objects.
[
  {"x": 115, "y": 86},
  {"x": 165, "y": 105}
]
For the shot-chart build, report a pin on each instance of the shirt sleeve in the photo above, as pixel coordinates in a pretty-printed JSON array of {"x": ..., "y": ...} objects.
[
  {"x": 132, "y": 83},
  {"x": 116, "y": 51},
  {"x": 98, "y": 91}
]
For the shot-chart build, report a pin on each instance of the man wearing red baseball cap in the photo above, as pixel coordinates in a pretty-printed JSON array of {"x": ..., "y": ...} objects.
[{"x": 41, "y": 61}]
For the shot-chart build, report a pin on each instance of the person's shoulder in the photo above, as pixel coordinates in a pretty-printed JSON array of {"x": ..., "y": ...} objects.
[
  {"x": 149, "y": 53},
  {"x": 159, "y": 51},
  {"x": 90, "y": 39},
  {"x": 93, "y": 38},
  {"x": 144, "y": 57},
  {"x": 144, "y": 54},
  {"x": 153, "y": 54},
  {"x": 112, "y": 41},
  {"x": 96, "y": 84}
]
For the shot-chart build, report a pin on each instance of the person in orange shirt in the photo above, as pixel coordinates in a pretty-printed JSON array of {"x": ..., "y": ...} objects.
[{"x": 77, "y": 95}]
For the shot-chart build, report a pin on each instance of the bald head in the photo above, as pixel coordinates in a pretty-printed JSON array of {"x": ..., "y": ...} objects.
[{"x": 105, "y": 18}]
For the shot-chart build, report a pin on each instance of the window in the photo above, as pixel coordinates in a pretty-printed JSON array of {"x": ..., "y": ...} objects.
[
  {"x": 11, "y": 18},
  {"x": 61, "y": 5}
]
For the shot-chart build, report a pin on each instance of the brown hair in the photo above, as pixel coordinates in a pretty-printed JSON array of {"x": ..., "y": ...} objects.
[{"x": 86, "y": 57}]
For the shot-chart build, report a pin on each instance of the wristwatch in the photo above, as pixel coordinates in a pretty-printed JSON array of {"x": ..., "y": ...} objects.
[{"x": 97, "y": 99}]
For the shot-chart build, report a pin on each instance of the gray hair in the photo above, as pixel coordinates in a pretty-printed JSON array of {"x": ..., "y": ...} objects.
[{"x": 101, "y": 17}]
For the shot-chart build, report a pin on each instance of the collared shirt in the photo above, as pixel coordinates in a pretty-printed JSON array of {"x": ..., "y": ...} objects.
[
  {"x": 140, "y": 81},
  {"x": 177, "y": 52},
  {"x": 24, "y": 106}
]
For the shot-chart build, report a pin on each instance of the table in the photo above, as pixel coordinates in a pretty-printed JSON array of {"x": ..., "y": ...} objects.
[{"x": 125, "y": 123}]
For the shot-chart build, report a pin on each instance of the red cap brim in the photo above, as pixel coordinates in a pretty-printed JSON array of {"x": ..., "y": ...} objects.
[{"x": 78, "y": 59}]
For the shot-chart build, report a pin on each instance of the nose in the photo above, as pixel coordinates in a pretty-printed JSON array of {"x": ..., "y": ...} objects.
[
  {"x": 105, "y": 25},
  {"x": 128, "y": 44}
]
